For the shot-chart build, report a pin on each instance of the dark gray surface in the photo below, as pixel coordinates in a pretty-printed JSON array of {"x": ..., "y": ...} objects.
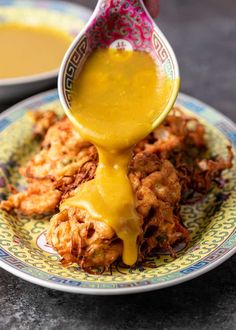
[{"x": 203, "y": 35}]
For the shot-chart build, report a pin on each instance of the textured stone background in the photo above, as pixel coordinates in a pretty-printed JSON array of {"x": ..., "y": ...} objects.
[{"x": 203, "y": 35}]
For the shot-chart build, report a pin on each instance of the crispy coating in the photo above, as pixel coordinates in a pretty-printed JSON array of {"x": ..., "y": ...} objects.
[
  {"x": 43, "y": 120},
  {"x": 177, "y": 133},
  {"x": 79, "y": 238},
  {"x": 60, "y": 155},
  {"x": 39, "y": 196},
  {"x": 158, "y": 191},
  {"x": 168, "y": 167}
]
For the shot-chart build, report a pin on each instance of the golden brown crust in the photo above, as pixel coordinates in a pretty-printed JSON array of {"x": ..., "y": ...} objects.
[
  {"x": 78, "y": 238},
  {"x": 39, "y": 196},
  {"x": 167, "y": 168}
]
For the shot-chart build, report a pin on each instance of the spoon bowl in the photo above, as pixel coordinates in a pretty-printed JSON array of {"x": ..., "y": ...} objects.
[{"x": 123, "y": 25}]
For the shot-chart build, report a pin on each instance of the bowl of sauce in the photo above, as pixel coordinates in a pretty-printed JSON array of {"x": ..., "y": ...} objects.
[{"x": 34, "y": 36}]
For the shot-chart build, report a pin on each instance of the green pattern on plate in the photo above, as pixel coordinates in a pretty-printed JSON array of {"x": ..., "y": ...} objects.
[{"x": 22, "y": 240}]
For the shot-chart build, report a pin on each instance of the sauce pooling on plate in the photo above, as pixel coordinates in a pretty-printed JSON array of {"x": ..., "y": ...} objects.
[
  {"x": 29, "y": 50},
  {"x": 115, "y": 102}
]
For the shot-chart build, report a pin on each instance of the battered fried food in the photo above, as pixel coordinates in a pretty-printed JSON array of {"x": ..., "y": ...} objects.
[
  {"x": 38, "y": 197},
  {"x": 79, "y": 238},
  {"x": 168, "y": 167}
]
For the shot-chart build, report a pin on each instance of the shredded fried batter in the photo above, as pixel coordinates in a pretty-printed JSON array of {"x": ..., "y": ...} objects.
[{"x": 167, "y": 169}]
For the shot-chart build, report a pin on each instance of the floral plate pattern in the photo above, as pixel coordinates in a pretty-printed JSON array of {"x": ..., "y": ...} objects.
[{"x": 24, "y": 250}]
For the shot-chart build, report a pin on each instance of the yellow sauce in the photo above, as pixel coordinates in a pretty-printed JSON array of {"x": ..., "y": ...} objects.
[
  {"x": 116, "y": 99},
  {"x": 28, "y": 50}
]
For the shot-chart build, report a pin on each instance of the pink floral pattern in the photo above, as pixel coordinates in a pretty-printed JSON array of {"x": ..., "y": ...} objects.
[
  {"x": 121, "y": 24},
  {"x": 119, "y": 19}
]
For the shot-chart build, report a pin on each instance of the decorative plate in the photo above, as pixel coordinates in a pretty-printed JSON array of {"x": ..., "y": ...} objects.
[{"x": 25, "y": 253}]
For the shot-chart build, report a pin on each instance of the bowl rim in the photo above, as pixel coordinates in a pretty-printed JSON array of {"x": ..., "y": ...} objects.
[{"x": 51, "y": 74}]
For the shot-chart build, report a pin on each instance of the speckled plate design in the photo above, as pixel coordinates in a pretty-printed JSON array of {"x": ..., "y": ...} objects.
[{"x": 24, "y": 250}]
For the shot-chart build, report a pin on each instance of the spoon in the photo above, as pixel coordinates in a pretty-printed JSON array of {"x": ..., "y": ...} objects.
[{"x": 124, "y": 25}]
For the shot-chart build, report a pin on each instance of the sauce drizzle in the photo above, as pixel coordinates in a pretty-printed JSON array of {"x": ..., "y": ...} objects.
[{"x": 115, "y": 101}]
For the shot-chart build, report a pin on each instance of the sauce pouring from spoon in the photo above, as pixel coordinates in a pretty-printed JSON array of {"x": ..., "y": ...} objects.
[{"x": 118, "y": 81}]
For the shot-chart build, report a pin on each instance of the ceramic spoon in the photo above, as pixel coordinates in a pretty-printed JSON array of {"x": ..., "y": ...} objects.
[{"x": 120, "y": 24}]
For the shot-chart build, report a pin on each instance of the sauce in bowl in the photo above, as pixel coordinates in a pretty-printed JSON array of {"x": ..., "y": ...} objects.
[
  {"x": 115, "y": 101},
  {"x": 28, "y": 50}
]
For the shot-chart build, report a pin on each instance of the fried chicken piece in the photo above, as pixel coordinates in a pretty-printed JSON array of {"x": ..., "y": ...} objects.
[
  {"x": 157, "y": 175},
  {"x": 36, "y": 198},
  {"x": 43, "y": 120},
  {"x": 181, "y": 140},
  {"x": 198, "y": 175},
  {"x": 177, "y": 132},
  {"x": 91, "y": 243},
  {"x": 63, "y": 162},
  {"x": 60, "y": 155},
  {"x": 68, "y": 161},
  {"x": 158, "y": 192},
  {"x": 168, "y": 166},
  {"x": 210, "y": 169},
  {"x": 78, "y": 238}
]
